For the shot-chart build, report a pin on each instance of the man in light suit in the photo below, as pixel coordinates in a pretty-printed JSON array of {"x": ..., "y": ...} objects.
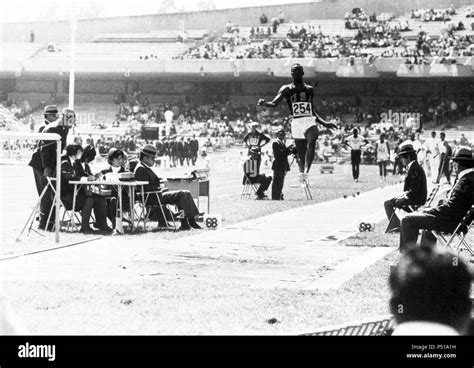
[{"x": 415, "y": 189}]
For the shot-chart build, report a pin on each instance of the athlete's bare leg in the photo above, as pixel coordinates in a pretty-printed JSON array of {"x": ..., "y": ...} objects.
[
  {"x": 301, "y": 147},
  {"x": 311, "y": 137}
]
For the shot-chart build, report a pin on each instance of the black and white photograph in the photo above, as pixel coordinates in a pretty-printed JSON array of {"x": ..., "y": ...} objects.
[{"x": 224, "y": 168}]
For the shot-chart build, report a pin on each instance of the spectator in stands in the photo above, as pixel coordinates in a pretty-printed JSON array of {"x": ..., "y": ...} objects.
[
  {"x": 448, "y": 213},
  {"x": 281, "y": 17},
  {"x": 263, "y": 19},
  {"x": 430, "y": 293},
  {"x": 32, "y": 36},
  {"x": 463, "y": 141},
  {"x": 228, "y": 27}
]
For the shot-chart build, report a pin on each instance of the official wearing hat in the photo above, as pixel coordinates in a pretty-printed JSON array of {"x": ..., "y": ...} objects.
[
  {"x": 280, "y": 165},
  {"x": 180, "y": 198},
  {"x": 414, "y": 189},
  {"x": 449, "y": 212},
  {"x": 41, "y": 168}
]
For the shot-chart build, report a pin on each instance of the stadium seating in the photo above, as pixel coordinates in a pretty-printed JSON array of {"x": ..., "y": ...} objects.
[{"x": 153, "y": 36}]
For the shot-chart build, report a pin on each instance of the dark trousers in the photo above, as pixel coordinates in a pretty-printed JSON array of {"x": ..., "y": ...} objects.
[
  {"x": 277, "y": 185},
  {"x": 85, "y": 204},
  {"x": 393, "y": 203},
  {"x": 444, "y": 169},
  {"x": 412, "y": 223},
  {"x": 180, "y": 198},
  {"x": 355, "y": 162},
  {"x": 47, "y": 200},
  {"x": 264, "y": 182},
  {"x": 194, "y": 157},
  {"x": 383, "y": 168},
  {"x": 112, "y": 206}
]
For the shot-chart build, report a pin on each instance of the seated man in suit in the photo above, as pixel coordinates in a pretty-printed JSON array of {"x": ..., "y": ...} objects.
[
  {"x": 84, "y": 201},
  {"x": 252, "y": 174},
  {"x": 414, "y": 188},
  {"x": 180, "y": 198},
  {"x": 280, "y": 164},
  {"x": 448, "y": 213}
]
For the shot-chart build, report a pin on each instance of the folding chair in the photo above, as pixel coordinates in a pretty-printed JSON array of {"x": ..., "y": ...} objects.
[
  {"x": 66, "y": 218},
  {"x": 249, "y": 188},
  {"x": 457, "y": 240},
  {"x": 143, "y": 212}
]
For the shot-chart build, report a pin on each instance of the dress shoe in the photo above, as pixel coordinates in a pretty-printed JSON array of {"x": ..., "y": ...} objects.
[
  {"x": 88, "y": 230},
  {"x": 184, "y": 225},
  {"x": 105, "y": 229},
  {"x": 192, "y": 222}
]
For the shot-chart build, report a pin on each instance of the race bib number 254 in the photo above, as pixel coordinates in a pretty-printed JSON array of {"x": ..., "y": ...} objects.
[{"x": 302, "y": 109}]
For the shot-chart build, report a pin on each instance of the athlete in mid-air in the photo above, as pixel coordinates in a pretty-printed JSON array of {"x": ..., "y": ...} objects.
[{"x": 299, "y": 97}]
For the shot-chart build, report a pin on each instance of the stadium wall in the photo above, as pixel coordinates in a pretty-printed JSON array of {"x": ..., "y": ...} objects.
[
  {"x": 240, "y": 92},
  {"x": 327, "y": 9}
]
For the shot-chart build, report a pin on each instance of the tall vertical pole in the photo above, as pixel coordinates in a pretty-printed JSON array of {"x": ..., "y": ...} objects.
[
  {"x": 72, "y": 56},
  {"x": 58, "y": 187}
]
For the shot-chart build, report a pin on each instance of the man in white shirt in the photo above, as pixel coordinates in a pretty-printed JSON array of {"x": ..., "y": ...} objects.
[
  {"x": 355, "y": 142},
  {"x": 428, "y": 295},
  {"x": 432, "y": 154}
]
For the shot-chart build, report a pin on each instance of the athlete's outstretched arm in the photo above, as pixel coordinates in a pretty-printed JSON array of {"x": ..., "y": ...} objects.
[
  {"x": 319, "y": 119},
  {"x": 275, "y": 102}
]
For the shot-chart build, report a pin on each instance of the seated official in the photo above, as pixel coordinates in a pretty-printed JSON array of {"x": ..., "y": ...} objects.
[
  {"x": 448, "y": 213},
  {"x": 180, "y": 198},
  {"x": 82, "y": 165},
  {"x": 428, "y": 295},
  {"x": 415, "y": 190},
  {"x": 116, "y": 160},
  {"x": 84, "y": 202},
  {"x": 252, "y": 174}
]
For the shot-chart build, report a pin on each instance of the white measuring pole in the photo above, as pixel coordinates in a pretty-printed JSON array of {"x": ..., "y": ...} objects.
[{"x": 72, "y": 77}]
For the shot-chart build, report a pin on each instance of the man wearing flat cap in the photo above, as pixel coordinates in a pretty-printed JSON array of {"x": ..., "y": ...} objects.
[
  {"x": 415, "y": 190},
  {"x": 280, "y": 164},
  {"x": 42, "y": 170},
  {"x": 449, "y": 212},
  {"x": 180, "y": 198}
]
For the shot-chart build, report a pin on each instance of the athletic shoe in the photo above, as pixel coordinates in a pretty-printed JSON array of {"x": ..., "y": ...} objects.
[{"x": 356, "y": 180}]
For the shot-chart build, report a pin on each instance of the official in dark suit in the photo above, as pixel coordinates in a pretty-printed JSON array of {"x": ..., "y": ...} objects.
[
  {"x": 449, "y": 212},
  {"x": 415, "y": 190},
  {"x": 252, "y": 174},
  {"x": 280, "y": 164},
  {"x": 194, "y": 147},
  {"x": 180, "y": 198},
  {"x": 43, "y": 160},
  {"x": 84, "y": 202}
]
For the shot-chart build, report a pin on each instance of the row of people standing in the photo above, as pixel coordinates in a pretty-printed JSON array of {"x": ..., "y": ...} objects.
[{"x": 179, "y": 151}]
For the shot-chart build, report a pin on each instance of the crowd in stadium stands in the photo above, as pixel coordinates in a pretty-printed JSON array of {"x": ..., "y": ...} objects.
[
  {"x": 310, "y": 41},
  {"x": 428, "y": 15}
]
